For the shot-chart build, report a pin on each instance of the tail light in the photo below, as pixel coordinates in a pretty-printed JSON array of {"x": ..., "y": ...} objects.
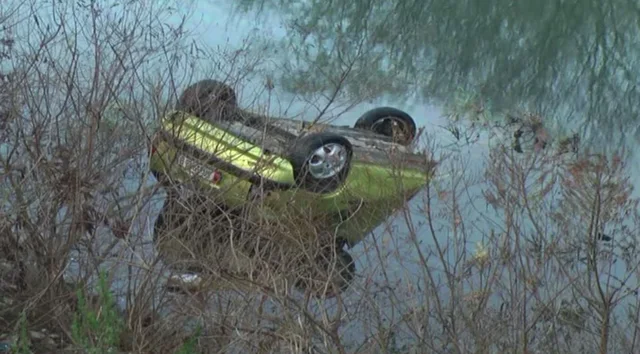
[
  {"x": 216, "y": 177},
  {"x": 153, "y": 146}
]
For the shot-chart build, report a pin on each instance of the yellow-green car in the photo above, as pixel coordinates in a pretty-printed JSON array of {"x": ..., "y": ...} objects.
[{"x": 348, "y": 179}]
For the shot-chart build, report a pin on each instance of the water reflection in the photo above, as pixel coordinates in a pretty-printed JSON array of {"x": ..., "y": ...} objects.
[{"x": 572, "y": 61}]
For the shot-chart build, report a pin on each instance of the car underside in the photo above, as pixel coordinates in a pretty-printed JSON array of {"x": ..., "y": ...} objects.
[{"x": 343, "y": 181}]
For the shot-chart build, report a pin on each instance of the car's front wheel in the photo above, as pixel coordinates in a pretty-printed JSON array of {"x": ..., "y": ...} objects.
[
  {"x": 332, "y": 274},
  {"x": 187, "y": 228},
  {"x": 321, "y": 161},
  {"x": 170, "y": 218}
]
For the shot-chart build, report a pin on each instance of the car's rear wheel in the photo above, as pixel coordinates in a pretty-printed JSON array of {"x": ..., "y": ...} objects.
[
  {"x": 391, "y": 122},
  {"x": 169, "y": 217},
  {"x": 204, "y": 97},
  {"x": 337, "y": 272},
  {"x": 321, "y": 161},
  {"x": 188, "y": 227}
]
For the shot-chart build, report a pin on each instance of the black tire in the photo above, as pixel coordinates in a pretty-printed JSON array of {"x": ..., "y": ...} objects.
[
  {"x": 162, "y": 179},
  {"x": 174, "y": 214},
  {"x": 302, "y": 154},
  {"x": 347, "y": 269},
  {"x": 167, "y": 219},
  {"x": 343, "y": 273},
  {"x": 179, "y": 228},
  {"x": 204, "y": 96},
  {"x": 391, "y": 122}
]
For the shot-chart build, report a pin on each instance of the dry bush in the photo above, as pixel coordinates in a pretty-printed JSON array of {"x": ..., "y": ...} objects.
[
  {"x": 78, "y": 109},
  {"x": 84, "y": 85},
  {"x": 531, "y": 253}
]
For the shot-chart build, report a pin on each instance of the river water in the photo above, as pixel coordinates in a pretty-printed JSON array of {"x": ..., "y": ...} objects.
[{"x": 593, "y": 80}]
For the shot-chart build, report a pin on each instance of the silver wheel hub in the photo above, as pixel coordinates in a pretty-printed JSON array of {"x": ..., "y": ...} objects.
[{"x": 327, "y": 161}]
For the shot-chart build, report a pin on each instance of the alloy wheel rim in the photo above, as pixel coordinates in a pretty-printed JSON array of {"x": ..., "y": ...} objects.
[{"x": 327, "y": 161}]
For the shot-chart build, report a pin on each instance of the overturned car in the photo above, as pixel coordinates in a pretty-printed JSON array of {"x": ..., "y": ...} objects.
[{"x": 338, "y": 181}]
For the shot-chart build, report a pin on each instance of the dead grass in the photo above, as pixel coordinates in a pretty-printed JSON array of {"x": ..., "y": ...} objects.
[{"x": 509, "y": 257}]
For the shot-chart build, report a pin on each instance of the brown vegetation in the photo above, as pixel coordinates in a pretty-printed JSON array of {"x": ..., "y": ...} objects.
[{"x": 509, "y": 260}]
